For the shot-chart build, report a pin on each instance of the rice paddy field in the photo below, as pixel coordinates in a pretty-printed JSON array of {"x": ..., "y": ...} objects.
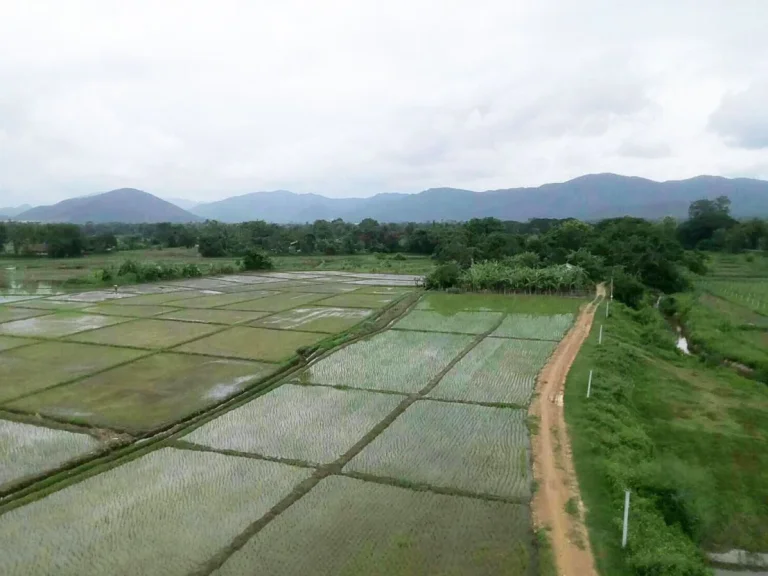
[{"x": 331, "y": 423}]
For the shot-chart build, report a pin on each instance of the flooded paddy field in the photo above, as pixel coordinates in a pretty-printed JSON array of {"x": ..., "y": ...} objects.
[{"x": 402, "y": 451}]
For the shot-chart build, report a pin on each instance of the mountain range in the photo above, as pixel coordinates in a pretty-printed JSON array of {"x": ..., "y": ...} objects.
[{"x": 589, "y": 197}]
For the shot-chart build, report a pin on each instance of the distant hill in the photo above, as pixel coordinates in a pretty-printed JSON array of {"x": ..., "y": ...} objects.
[
  {"x": 588, "y": 197},
  {"x": 123, "y": 205},
  {"x": 11, "y": 211}
]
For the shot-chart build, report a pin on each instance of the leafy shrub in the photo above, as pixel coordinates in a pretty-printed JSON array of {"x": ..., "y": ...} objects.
[
  {"x": 443, "y": 277},
  {"x": 398, "y": 256},
  {"x": 254, "y": 260},
  {"x": 627, "y": 289}
]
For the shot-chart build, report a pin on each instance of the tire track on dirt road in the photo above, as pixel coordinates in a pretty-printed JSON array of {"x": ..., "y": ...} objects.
[{"x": 552, "y": 464}]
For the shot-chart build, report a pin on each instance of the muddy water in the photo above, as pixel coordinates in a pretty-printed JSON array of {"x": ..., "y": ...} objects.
[{"x": 12, "y": 284}]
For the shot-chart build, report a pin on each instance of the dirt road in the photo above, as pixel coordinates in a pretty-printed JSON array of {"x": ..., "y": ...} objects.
[{"x": 552, "y": 466}]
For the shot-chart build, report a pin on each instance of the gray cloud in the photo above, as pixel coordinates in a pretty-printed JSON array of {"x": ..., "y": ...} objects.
[
  {"x": 352, "y": 98},
  {"x": 742, "y": 118}
]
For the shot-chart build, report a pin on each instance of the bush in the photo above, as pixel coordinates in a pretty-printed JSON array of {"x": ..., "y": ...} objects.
[
  {"x": 254, "y": 260},
  {"x": 398, "y": 256},
  {"x": 628, "y": 289},
  {"x": 443, "y": 277}
]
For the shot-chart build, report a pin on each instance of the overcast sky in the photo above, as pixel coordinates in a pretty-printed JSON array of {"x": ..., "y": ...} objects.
[{"x": 202, "y": 100}]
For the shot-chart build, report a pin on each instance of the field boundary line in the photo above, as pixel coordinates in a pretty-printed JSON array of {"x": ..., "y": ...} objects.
[
  {"x": 552, "y": 464},
  {"x": 335, "y": 467}
]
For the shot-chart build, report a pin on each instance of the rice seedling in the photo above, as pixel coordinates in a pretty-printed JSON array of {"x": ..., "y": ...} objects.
[
  {"x": 253, "y": 343},
  {"x": 148, "y": 393},
  {"x": 460, "y": 322},
  {"x": 93, "y": 297},
  {"x": 278, "y": 302},
  {"x": 472, "y": 448},
  {"x": 498, "y": 370},
  {"x": 310, "y": 423},
  {"x": 346, "y": 527},
  {"x": 57, "y": 325},
  {"x": 316, "y": 319},
  {"x": 534, "y": 327},
  {"x": 8, "y": 314},
  {"x": 164, "y": 298},
  {"x": 216, "y": 300},
  {"x": 212, "y": 316},
  {"x": 146, "y": 311},
  {"x": 36, "y": 367},
  {"x": 26, "y": 450},
  {"x": 510, "y": 303},
  {"x": 165, "y": 513},
  {"x": 355, "y": 300},
  {"x": 394, "y": 360},
  {"x": 146, "y": 334},
  {"x": 49, "y": 305},
  {"x": 199, "y": 283},
  {"x": 8, "y": 342},
  {"x": 323, "y": 288}
]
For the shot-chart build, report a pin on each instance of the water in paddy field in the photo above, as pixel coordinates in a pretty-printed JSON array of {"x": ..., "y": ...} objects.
[{"x": 12, "y": 283}]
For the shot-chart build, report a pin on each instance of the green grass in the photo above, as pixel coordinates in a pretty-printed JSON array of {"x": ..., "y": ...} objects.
[
  {"x": 717, "y": 328},
  {"x": 57, "y": 325},
  {"x": 278, "y": 302},
  {"x": 546, "y": 556},
  {"x": 147, "y": 333},
  {"x": 132, "y": 311},
  {"x": 165, "y": 513},
  {"x": 360, "y": 300},
  {"x": 498, "y": 370},
  {"x": 315, "y": 319},
  {"x": 8, "y": 314},
  {"x": 748, "y": 293},
  {"x": 475, "y": 449},
  {"x": 534, "y": 327},
  {"x": 253, "y": 343},
  {"x": 309, "y": 423},
  {"x": 148, "y": 393},
  {"x": 688, "y": 440},
  {"x": 747, "y": 265},
  {"x": 459, "y": 322},
  {"x": 213, "y": 316},
  {"x": 543, "y": 305},
  {"x": 27, "y": 450},
  {"x": 346, "y": 527},
  {"x": 34, "y": 368},
  {"x": 399, "y": 361}
]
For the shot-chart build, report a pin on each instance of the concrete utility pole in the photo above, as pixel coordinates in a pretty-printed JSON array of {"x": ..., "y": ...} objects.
[
  {"x": 626, "y": 520},
  {"x": 589, "y": 384}
]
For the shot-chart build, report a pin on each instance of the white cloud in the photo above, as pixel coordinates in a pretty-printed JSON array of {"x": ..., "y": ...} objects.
[{"x": 190, "y": 98}]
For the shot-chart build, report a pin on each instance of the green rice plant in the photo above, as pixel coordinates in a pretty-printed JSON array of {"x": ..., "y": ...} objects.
[
  {"x": 310, "y": 423},
  {"x": 57, "y": 325},
  {"x": 146, "y": 334},
  {"x": 471, "y": 448},
  {"x": 316, "y": 319},
  {"x": 394, "y": 360},
  {"x": 253, "y": 343},
  {"x": 33, "y": 368},
  {"x": 460, "y": 322},
  {"x": 165, "y": 513},
  {"x": 498, "y": 370},
  {"x": 395, "y": 291},
  {"x": 8, "y": 342},
  {"x": 510, "y": 303},
  {"x": 346, "y": 527},
  {"x": 216, "y": 300},
  {"x": 323, "y": 288},
  {"x": 278, "y": 302},
  {"x": 162, "y": 298},
  {"x": 212, "y": 316},
  {"x": 355, "y": 300},
  {"x": 148, "y": 393},
  {"x": 750, "y": 293},
  {"x": 534, "y": 327},
  {"x": 39, "y": 304},
  {"x": 8, "y": 314},
  {"x": 26, "y": 450},
  {"x": 146, "y": 311}
]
